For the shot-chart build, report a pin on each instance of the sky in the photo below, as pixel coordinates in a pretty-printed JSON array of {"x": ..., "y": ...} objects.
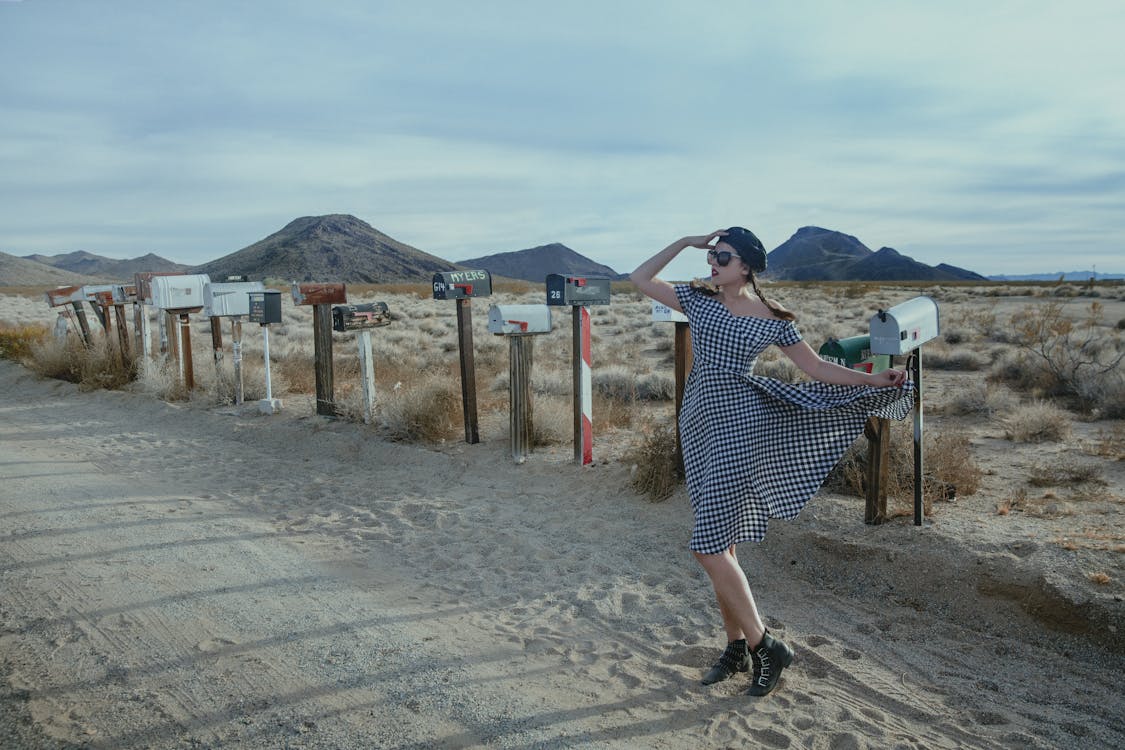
[{"x": 984, "y": 135}]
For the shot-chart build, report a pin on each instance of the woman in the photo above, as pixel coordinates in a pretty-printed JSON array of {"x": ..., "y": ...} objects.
[{"x": 755, "y": 448}]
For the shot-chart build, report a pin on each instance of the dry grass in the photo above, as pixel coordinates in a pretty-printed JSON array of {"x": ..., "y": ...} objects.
[
  {"x": 429, "y": 411},
  {"x": 99, "y": 365},
  {"x": 1038, "y": 422},
  {"x": 1064, "y": 475},
  {"x": 17, "y": 341},
  {"x": 653, "y": 461}
]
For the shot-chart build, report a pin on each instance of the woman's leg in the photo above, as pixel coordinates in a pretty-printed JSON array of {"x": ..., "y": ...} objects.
[{"x": 736, "y": 602}]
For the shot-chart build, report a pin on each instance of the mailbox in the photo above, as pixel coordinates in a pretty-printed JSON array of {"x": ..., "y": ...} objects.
[
  {"x": 855, "y": 353},
  {"x": 519, "y": 320},
  {"x": 575, "y": 290},
  {"x": 319, "y": 294},
  {"x": 101, "y": 294},
  {"x": 228, "y": 299},
  {"x": 462, "y": 284},
  {"x": 179, "y": 292},
  {"x": 360, "y": 317},
  {"x": 143, "y": 282},
  {"x": 64, "y": 295},
  {"x": 904, "y": 327},
  {"x": 661, "y": 313},
  {"x": 265, "y": 306}
]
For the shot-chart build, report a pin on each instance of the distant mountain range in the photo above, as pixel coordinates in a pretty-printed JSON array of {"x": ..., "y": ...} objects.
[
  {"x": 1081, "y": 276},
  {"x": 340, "y": 247}
]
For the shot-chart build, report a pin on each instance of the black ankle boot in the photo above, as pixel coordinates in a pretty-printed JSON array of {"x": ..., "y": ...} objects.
[
  {"x": 769, "y": 657},
  {"x": 736, "y": 658}
]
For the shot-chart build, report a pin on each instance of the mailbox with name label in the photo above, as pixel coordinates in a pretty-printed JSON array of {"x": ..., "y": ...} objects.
[
  {"x": 265, "y": 306},
  {"x": 179, "y": 292},
  {"x": 661, "y": 313},
  {"x": 319, "y": 294},
  {"x": 576, "y": 290},
  {"x": 228, "y": 299},
  {"x": 519, "y": 320},
  {"x": 462, "y": 284},
  {"x": 854, "y": 352},
  {"x": 904, "y": 327},
  {"x": 360, "y": 317}
]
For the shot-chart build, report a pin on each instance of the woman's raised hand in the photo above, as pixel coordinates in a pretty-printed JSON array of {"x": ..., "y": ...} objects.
[{"x": 705, "y": 241}]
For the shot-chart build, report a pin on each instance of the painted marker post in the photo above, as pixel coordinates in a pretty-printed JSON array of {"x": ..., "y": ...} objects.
[
  {"x": 579, "y": 293},
  {"x": 462, "y": 286}
]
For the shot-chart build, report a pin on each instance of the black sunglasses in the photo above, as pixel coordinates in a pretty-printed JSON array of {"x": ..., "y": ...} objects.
[{"x": 722, "y": 257}]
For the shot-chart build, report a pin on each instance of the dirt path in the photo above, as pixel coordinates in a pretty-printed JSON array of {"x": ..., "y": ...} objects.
[{"x": 177, "y": 577}]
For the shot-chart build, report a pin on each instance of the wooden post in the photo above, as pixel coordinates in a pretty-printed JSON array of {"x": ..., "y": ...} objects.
[
  {"x": 683, "y": 362},
  {"x": 122, "y": 333},
  {"x": 187, "y": 368},
  {"x": 468, "y": 369},
  {"x": 367, "y": 374},
  {"x": 167, "y": 338},
  {"x": 217, "y": 339},
  {"x": 236, "y": 356},
  {"x": 322, "y": 349},
  {"x": 83, "y": 324},
  {"x": 878, "y": 433},
  {"x": 519, "y": 386}
]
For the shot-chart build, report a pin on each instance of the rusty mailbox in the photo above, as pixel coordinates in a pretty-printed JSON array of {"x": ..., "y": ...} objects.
[
  {"x": 462, "y": 284},
  {"x": 319, "y": 293},
  {"x": 360, "y": 317}
]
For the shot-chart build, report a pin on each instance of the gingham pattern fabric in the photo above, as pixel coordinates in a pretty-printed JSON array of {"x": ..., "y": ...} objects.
[{"x": 756, "y": 448}]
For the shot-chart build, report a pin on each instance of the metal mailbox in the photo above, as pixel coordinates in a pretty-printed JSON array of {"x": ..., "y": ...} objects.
[
  {"x": 143, "y": 282},
  {"x": 854, "y": 352},
  {"x": 360, "y": 317},
  {"x": 228, "y": 299},
  {"x": 179, "y": 292},
  {"x": 575, "y": 290},
  {"x": 462, "y": 284},
  {"x": 661, "y": 313},
  {"x": 519, "y": 320},
  {"x": 904, "y": 327},
  {"x": 265, "y": 306},
  {"x": 64, "y": 295},
  {"x": 319, "y": 294}
]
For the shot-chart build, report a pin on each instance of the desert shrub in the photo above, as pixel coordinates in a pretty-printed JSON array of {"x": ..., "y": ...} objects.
[
  {"x": 427, "y": 409},
  {"x": 656, "y": 386},
  {"x": 978, "y": 398},
  {"x": 17, "y": 341},
  {"x": 1037, "y": 422},
  {"x": 615, "y": 382},
  {"x": 1111, "y": 442},
  {"x": 552, "y": 421},
  {"x": 940, "y": 358},
  {"x": 779, "y": 368},
  {"x": 161, "y": 378},
  {"x": 1078, "y": 359},
  {"x": 948, "y": 466},
  {"x": 296, "y": 366},
  {"x": 98, "y": 366},
  {"x": 1064, "y": 475},
  {"x": 655, "y": 464}
]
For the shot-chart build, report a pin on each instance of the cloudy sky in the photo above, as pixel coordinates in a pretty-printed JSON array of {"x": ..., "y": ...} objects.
[{"x": 986, "y": 135}]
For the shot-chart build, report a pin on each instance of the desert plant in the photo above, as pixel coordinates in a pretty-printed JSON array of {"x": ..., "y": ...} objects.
[
  {"x": 17, "y": 341},
  {"x": 1037, "y": 422},
  {"x": 428, "y": 409},
  {"x": 1063, "y": 475},
  {"x": 978, "y": 398},
  {"x": 655, "y": 463},
  {"x": 99, "y": 365}
]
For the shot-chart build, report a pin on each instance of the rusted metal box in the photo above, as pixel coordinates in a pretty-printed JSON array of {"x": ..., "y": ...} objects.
[
  {"x": 319, "y": 294},
  {"x": 577, "y": 290},
  {"x": 179, "y": 292},
  {"x": 228, "y": 299},
  {"x": 904, "y": 327},
  {"x": 360, "y": 317},
  {"x": 519, "y": 320},
  {"x": 462, "y": 284},
  {"x": 265, "y": 306},
  {"x": 64, "y": 295}
]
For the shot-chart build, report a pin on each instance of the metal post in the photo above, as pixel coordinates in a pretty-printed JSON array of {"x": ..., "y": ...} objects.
[
  {"x": 916, "y": 359},
  {"x": 582, "y": 385},
  {"x": 519, "y": 387},
  {"x": 367, "y": 373},
  {"x": 266, "y": 349},
  {"x": 236, "y": 356},
  {"x": 468, "y": 369}
]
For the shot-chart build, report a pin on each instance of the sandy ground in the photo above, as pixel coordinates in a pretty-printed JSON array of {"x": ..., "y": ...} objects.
[{"x": 177, "y": 576}]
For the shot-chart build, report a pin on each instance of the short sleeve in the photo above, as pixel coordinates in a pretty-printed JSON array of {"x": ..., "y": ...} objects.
[
  {"x": 687, "y": 298},
  {"x": 789, "y": 334}
]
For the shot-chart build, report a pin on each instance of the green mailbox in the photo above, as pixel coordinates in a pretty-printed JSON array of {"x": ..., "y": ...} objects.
[{"x": 854, "y": 352}]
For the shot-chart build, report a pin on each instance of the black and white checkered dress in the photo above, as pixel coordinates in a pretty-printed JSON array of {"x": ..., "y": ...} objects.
[{"x": 756, "y": 448}]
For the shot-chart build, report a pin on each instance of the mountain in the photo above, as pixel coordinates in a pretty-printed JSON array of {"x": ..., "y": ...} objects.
[
  {"x": 535, "y": 263},
  {"x": 16, "y": 271},
  {"x": 107, "y": 269},
  {"x": 337, "y": 247},
  {"x": 1081, "y": 276},
  {"x": 817, "y": 254}
]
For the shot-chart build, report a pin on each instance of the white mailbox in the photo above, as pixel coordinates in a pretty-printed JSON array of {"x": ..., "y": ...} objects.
[
  {"x": 904, "y": 327},
  {"x": 661, "y": 313},
  {"x": 519, "y": 320},
  {"x": 179, "y": 292},
  {"x": 227, "y": 299}
]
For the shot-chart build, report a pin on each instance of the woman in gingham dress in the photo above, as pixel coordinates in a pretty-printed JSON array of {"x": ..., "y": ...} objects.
[{"x": 755, "y": 448}]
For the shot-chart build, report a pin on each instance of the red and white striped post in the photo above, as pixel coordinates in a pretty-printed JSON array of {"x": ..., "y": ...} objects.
[{"x": 583, "y": 388}]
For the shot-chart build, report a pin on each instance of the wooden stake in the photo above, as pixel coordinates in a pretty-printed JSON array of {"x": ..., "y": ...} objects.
[
  {"x": 367, "y": 373},
  {"x": 236, "y": 356},
  {"x": 468, "y": 369},
  {"x": 322, "y": 350},
  {"x": 217, "y": 339},
  {"x": 519, "y": 387},
  {"x": 878, "y": 433}
]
